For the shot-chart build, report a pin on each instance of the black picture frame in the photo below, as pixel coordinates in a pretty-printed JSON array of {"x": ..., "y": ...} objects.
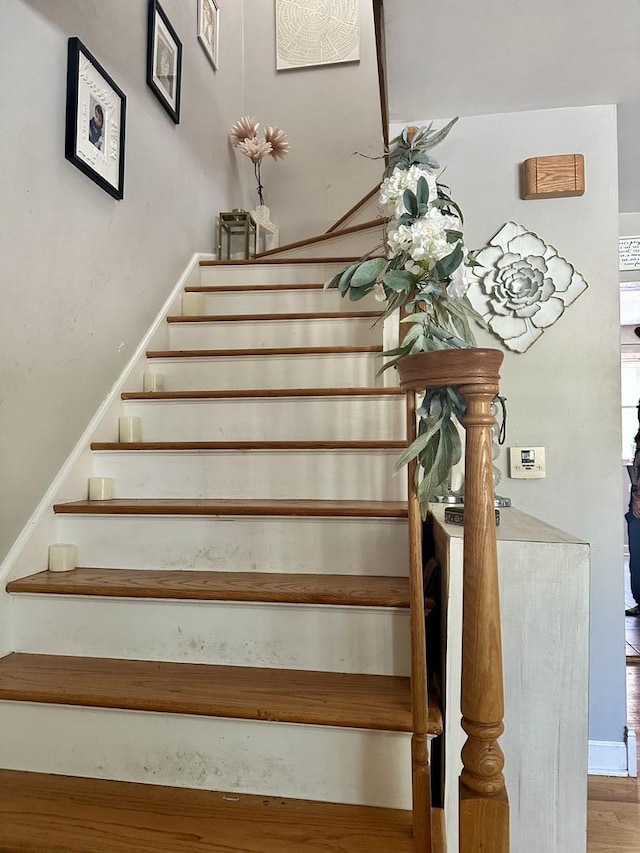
[
  {"x": 95, "y": 120},
  {"x": 164, "y": 54}
]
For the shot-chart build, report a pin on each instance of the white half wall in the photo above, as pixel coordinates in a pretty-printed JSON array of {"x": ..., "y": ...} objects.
[
  {"x": 564, "y": 393},
  {"x": 84, "y": 275}
]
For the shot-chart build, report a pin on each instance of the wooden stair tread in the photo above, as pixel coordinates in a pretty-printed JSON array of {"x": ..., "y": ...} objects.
[
  {"x": 263, "y": 318},
  {"x": 49, "y": 814},
  {"x": 247, "y": 262},
  {"x": 260, "y": 288},
  {"x": 378, "y": 702},
  {"x": 350, "y": 590},
  {"x": 215, "y": 506},
  {"x": 248, "y": 445},
  {"x": 264, "y": 351},
  {"x": 241, "y": 393}
]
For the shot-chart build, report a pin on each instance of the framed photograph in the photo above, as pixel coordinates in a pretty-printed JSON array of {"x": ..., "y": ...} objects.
[
  {"x": 96, "y": 111},
  {"x": 208, "y": 21},
  {"x": 164, "y": 60}
]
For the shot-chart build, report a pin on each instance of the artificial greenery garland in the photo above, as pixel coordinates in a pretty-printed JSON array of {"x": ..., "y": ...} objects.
[{"x": 425, "y": 274}]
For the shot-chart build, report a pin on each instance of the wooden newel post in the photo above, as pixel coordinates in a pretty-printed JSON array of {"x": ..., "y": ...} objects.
[{"x": 484, "y": 806}]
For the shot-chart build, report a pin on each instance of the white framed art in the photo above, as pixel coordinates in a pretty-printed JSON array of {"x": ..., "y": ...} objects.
[
  {"x": 208, "y": 29},
  {"x": 316, "y": 32}
]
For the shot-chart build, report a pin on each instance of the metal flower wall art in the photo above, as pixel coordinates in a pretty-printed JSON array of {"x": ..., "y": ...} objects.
[{"x": 521, "y": 286}]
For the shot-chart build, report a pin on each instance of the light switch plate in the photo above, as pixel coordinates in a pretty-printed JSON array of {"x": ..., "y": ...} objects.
[{"x": 527, "y": 463}]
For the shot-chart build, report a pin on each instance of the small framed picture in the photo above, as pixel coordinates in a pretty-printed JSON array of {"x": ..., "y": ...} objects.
[
  {"x": 96, "y": 112},
  {"x": 208, "y": 20},
  {"x": 164, "y": 60}
]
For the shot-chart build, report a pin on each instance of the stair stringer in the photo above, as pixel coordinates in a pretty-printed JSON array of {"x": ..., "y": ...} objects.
[{"x": 29, "y": 552}]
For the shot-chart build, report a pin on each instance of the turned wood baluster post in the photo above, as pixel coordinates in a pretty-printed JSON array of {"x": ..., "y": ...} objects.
[
  {"x": 420, "y": 771},
  {"x": 484, "y": 807}
]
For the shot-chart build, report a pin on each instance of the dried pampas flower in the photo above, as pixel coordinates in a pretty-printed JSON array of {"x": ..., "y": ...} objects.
[
  {"x": 244, "y": 128},
  {"x": 279, "y": 142},
  {"x": 255, "y": 149}
]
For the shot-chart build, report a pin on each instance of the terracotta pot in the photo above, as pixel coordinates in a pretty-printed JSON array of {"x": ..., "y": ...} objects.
[{"x": 438, "y": 369}]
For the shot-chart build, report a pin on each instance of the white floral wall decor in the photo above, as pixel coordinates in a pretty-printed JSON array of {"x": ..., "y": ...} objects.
[{"x": 521, "y": 286}]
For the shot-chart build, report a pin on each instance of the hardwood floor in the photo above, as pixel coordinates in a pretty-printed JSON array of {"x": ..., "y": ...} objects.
[
  {"x": 632, "y": 637},
  {"x": 614, "y": 804}
]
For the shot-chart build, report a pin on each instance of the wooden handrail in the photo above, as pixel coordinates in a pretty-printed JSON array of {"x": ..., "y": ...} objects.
[
  {"x": 484, "y": 805},
  {"x": 420, "y": 770}
]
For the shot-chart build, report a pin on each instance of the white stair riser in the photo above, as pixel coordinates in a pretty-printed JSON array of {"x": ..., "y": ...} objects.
[
  {"x": 269, "y": 273},
  {"x": 271, "y": 419},
  {"x": 352, "y": 370},
  {"x": 369, "y": 210},
  {"x": 252, "y": 334},
  {"x": 313, "y": 474},
  {"x": 328, "y": 639},
  {"x": 266, "y": 301},
  {"x": 356, "y": 244},
  {"x": 240, "y": 544},
  {"x": 241, "y": 756}
]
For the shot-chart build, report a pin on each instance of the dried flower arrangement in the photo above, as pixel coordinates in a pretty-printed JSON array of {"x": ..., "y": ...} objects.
[{"x": 273, "y": 143}]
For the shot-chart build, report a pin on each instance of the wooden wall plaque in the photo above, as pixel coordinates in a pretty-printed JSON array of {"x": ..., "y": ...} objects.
[{"x": 558, "y": 176}]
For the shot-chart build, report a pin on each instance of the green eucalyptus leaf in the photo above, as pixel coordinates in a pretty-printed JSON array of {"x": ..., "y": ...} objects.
[
  {"x": 412, "y": 335},
  {"x": 420, "y": 317},
  {"x": 356, "y": 293},
  {"x": 437, "y": 137},
  {"x": 419, "y": 444},
  {"x": 446, "y": 266},
  {"x": 345, "y": 278},
  {"x": 333, "y": 282},
  {"x": 410, "y": 202},
  {"x": 422, "y": 192},
  {"x": 367, "y": 272},
  {"x": 399, "y": 279}
]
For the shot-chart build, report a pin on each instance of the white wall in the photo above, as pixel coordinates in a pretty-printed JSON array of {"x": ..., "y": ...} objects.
[
  {"x": 512, "y": 55},
  {"x": 329, "y": 112},
  {"x": 83, "y": 275},
  {"x": 564, "y": 393}
]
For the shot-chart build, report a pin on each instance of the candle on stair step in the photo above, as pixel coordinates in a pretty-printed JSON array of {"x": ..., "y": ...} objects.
[
  {"x": 153, "y": 382},
  {"x": 130, "y": 430},
  {"x": 63, "y": 557},
  {"x": 100, "y": 488},
  {"x": 192, "y": 304}
]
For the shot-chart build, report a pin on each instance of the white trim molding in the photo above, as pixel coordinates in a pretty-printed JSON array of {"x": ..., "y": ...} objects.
[{"x": 610, "y": 758}]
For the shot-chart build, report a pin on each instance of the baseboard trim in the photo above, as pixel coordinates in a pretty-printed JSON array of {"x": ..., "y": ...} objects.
[{"x": 609, "y": 758}]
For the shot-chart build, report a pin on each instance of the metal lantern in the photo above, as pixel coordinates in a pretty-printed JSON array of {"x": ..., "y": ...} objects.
[{"x": 236, "y": 235}]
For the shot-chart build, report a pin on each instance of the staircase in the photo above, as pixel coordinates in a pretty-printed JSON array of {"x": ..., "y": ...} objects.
[{"x": 229, "y": 667}]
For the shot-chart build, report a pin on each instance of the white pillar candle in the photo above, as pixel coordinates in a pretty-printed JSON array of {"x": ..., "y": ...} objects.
[
  {"x": 62, "y": 557},
  {"x": 100, "y": 488},
  {"x": 153, "y": 382},
  {"x": 130, "y": 430},
  {"x": 192, "y": 304}
]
